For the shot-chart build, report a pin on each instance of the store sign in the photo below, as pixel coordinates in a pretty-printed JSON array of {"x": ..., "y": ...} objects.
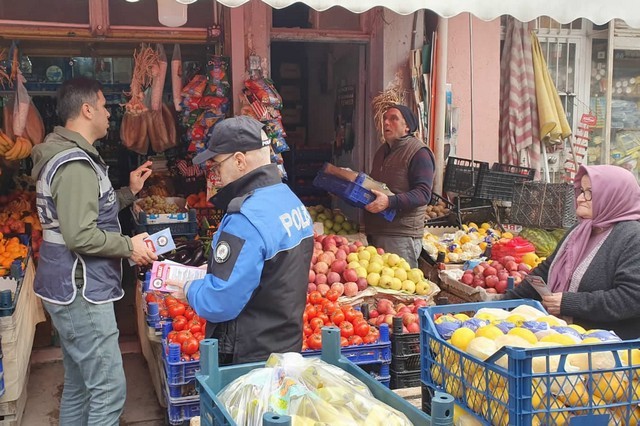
[{"x": 589, "y": 119}]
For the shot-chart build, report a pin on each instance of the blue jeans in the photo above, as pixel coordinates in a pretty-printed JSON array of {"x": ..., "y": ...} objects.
[{"x": 95, "y": 386}]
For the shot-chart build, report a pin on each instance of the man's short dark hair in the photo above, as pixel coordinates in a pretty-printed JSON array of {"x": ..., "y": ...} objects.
[{"x": 75, "y": 92}]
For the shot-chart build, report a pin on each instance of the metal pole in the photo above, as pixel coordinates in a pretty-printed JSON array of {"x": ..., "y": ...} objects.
[
  {"x": 441, "y": 100},
  {"x": 471, "y": 84}
]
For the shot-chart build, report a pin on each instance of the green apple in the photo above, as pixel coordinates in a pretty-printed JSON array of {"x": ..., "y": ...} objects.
[
  {"x": 338, "y": 218},
  {"x": 396, "y": 284},
  {"x": 376, "y": 258},
  {"x": 354, "y": 264},
  {"x": 409, "y": 286},
  {"x": 374, "y": 267},
  {"x": 337, "y": 227},
  {"x": 393, "y": 259},
  {"x": 321, "y": 217},
  {"x": 364, "y": 255},
  {"x": 362, "y": 272},
  {"x": 328, "y": 224},
  {"x": 400, "y": 273},
  {"x": 342, "y": 232},
  {"x": 422, "y": 288},
  {"x": 387, "y": 271},
  {"x": 404, "y": 265},
  {"x": 352, "y": 257},
  {"x": 373, "y": 278},
  {"x": 364, "y": 263},
  {"x": 347, "y": 226},
  {"x": 385, "y": 281},
  {"x": 415, "y": 275}
]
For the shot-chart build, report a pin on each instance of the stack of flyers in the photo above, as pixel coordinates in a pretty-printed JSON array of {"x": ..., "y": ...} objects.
[{"x": 166, "y": 273}]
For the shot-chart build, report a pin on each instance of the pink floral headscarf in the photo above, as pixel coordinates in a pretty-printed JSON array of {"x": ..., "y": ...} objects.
[{"x": 616, "y": 198}]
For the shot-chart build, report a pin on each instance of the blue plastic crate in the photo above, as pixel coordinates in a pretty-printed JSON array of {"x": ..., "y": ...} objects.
[
  {"x": 518, "y": 395},
  {"x": 17, "y": 273},
  {"x": 187, "y": 229},
  {"x": 178, "y": 372},
  {"x": 181, "y": 409},
  {"x": 351, "y": 192},
  {"x": 213, "y": 378},
  {"x": 365, "y": 354}
]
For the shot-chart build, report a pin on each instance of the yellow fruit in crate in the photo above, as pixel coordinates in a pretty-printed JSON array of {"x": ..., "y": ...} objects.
[
  {"x": 551, "y": 320},
  {"x": 482, "y": 245},
  {"x": 485, "y": 316},
  {"x": 591, "y": 341},
  {"x": 609, "y": 386},
  {"x": 461, "y": 317},
  {"x": 524, "y": 333},
  {"x": 473, "y": 225},
  {"x": 485, "y": 225},
  {"x": 556, "y": 418},
  {"x": 465, "y": 239},
  {"x": 619, "y": 415},
  {"x": 516, "y": 319},
  {"x": 461, "y": 338},
  {"x": 635, "y": 357},
  {"x": 450, "y": 358},
  {"x": 574, "y": 395},
  {"x": 476, "y": 401},
  {"x": 489, "y": 331},
  {"x": 578, "y": 328},
  {"x": 436, "y": 374},
  {"x": 507, "y": 235},
  {"x": 497, "y": 380},
  {"x": 559, "y": 339},
  {"x": 498, "y": 414}
]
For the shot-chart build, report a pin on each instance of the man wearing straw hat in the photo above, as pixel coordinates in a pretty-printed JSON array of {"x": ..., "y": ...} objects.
[{"x": 406, "y": 165}]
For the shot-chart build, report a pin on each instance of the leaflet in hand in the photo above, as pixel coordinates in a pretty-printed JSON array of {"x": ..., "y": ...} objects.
[
  {"x": 166, "y": 273},
  {"x": 160, "y": 243},
  {"x": 539, "y": 285}
]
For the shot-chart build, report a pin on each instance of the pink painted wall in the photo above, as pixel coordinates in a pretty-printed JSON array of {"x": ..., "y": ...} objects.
[{"x": 486, "y": 91}]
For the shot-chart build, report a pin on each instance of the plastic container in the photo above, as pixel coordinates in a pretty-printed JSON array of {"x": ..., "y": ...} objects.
[
  {"x": 213, "y": 378},
  {"x": 405, "y": 379},
  {"x": 352, "y": 192},
  {"x": 404, "y": 363},
  {"x": 403, "y": 344},
  {"x": 543, "y": 205},
  {"x": 178, "y": 372},
  {"x": 497, "y": 183},
  {"x": 187, "y": 229},
  {"x": 9, "y": 299},
  {"x": 518, "y": 394},
  {"x": 461, "y": 175},
  {"x": 180, "y": 409},
  {"x": 365, "y": 354}
]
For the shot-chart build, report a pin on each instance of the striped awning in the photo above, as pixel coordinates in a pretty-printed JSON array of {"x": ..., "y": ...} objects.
[{"x": 563, "y": 11}]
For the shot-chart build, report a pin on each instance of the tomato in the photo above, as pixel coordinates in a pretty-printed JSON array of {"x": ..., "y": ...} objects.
[
  {"x": 305, "y": 317},
  {"x": 314, "y": 341},
  {"x": 369, "y": 338},
  {"x": 315, "y": 297},
  {"x": 202, "y": 320},
  {"x": 171, "y": 337},
  {"x": 359, "y": 315},
  {"x": 182, "y": 336},
  {"x": 196, "y": 356},
  {"x": 190, "y": 346},
  {"x": 332, "y": 295},
  {"x": 337, "y": 317},
  {"x": 199, "y": 336},
  {"x": 349, "y": 314},
  {"x": 307, "y": 330},
  {"x": 170, "y": 300},
  {"x": 316, "y": 323},
  {"x": 194, "y": 326},
  {"x": 151, "y": 298},
  {"x": 311, "y": 311},
  {"x": 325, "y": 318},
  {"x": 346, "y": 329},
  {"x": 344, "y": 341},
  {"x": 330, "y": 308},
  {"x": 176, "y": 309},
  {"x": 355, "y": 340},
  {"x": 164, "y": 313},
  {"x": 180, "y": 323},
  {"x": 189, "y": 313},
  {"x": 361, "y": 328}
]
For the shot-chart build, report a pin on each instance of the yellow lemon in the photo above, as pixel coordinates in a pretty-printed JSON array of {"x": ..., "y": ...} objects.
[
  {"x": 465, "y": 239},
  {"x": 485, "y": 225},
  {"x": 552, "y": 321},
  {"x": 485, "y": 316},
  {"x": 557, "y": 418},
  {"x": 461, "y": 317},
  {"x": 489, "y": 331},
  {"x": 525, "y": 334},
  {"x": 609, "y": 386},
  {"x": 482, "y": 245},
  {"x": 635, "y": 357},
  {"x": 473, "y": 225},
  {"x": 577, "y": 328},
  {"x": 515, "y": 319},
  {"x": 461, "y": 337},
  {"x": 507, "y": 235},
  {"x": 560, "y": 339}
]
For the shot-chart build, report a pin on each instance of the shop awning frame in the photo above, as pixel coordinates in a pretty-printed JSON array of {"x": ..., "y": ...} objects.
[{"x": 563, "y": 11}]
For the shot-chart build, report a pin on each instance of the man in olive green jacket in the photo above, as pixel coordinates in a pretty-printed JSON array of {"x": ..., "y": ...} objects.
[{"x": 79, "y": 272}]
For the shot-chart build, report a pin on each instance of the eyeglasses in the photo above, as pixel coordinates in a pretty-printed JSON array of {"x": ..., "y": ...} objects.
[
  {"x": 586, "y": 193},
  {"x": 216, "y": 164}
]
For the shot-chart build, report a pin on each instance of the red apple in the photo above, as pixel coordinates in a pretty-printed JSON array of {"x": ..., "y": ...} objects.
[
  {"x": 317, "y": 245},
  {"x": 333, "y": 277},
  {"x": 312, "y": 276},
  {"x": 358, "y": 243},
  {"x": 489, "y": 271},
  {"x": 467, "y": 279},
  {"x": 501, "y": 287},
  {"x": 311, "y": 287},
  {"x": 511, "y": 265},
  {"x": 341, "y": 254},
  {"x": 320, "y": 279},
  {"x": 503, "y": 275},
  {"x": 353, "y": 248},
  {"x": 409, "y": 318},
  {"x": 506, "y": 259},
  {"x": 385, "y": 306},
  {"x": 339, "y": 266},
  {"x": 380, "y": 250},
  {"x": 478, "y": 269},
  {"x": 524, "y": 267},
  {"x": 321, "y": 267},
  {"x": 323, "y": 288},
  {"x": 350, "y": 289},
  {"x": 325, "y": 257},
  {"x": 362, "y": 283},
  {"x": 339, "y": 287},
  {"x": 350, "y": 275},
  {"x": 413, "y": 327},
  {"x": 478, "y": 282},
  {"x": 373, "y": 313},
  {"x": 490, "y": 290},
  {"x": 491, "y": 280}
]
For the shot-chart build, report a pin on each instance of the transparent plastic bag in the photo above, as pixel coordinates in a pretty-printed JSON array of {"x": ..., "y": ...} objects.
[{"x": 309, "y": 390}]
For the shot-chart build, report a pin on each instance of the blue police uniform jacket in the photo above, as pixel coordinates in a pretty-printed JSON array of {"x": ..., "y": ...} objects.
[{"x": 254, "y": 293}]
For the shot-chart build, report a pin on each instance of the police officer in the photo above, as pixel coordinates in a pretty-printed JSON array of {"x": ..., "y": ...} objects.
[{"x": 254, "y": 293}]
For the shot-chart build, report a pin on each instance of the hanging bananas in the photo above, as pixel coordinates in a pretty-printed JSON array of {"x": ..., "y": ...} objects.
[{"x": 19, "y": 150}]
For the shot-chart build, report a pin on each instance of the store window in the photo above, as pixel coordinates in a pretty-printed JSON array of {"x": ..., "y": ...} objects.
[
  {"x": 145, "y": 14},
  {"x": 66, "y": 11},
  {"x": 299, "y": 15}
]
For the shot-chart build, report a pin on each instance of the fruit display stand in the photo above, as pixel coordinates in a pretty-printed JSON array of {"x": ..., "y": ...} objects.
[
  {"x": 449, "y": 282},
  {"x": 17, "y": 332},
  {"x": 589, "y": 383},
  {"x": 213, "y": 378}
]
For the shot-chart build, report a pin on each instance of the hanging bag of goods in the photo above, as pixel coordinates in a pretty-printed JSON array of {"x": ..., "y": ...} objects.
[
  {"x": 134, "y": 127},
  {"x": 160, "y": 119}
]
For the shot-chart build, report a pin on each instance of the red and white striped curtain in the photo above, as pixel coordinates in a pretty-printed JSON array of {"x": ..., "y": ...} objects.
[{"x": 519, "y": 131}]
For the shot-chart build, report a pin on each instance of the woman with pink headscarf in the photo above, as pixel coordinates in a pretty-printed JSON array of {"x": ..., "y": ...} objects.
[{"x": 594, "y": 273}]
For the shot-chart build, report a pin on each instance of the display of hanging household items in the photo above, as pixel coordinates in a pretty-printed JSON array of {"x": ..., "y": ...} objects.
[
  {"x": 579, "y": 147},
  {"x": 134, "y": 127},
  {"x": 265, "y": 104},
  {"x": 176, "y": 77},
  {"x": 205, "y": 101},
  {"x": 160, "y": 119},
  {"x": 5, "y": 81}
]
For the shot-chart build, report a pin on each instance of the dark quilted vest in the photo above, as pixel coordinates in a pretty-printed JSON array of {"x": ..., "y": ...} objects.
[{"x": 392, "y": 170}]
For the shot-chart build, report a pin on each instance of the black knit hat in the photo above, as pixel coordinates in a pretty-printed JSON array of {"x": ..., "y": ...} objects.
[{"x": 409, "y": 117}]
